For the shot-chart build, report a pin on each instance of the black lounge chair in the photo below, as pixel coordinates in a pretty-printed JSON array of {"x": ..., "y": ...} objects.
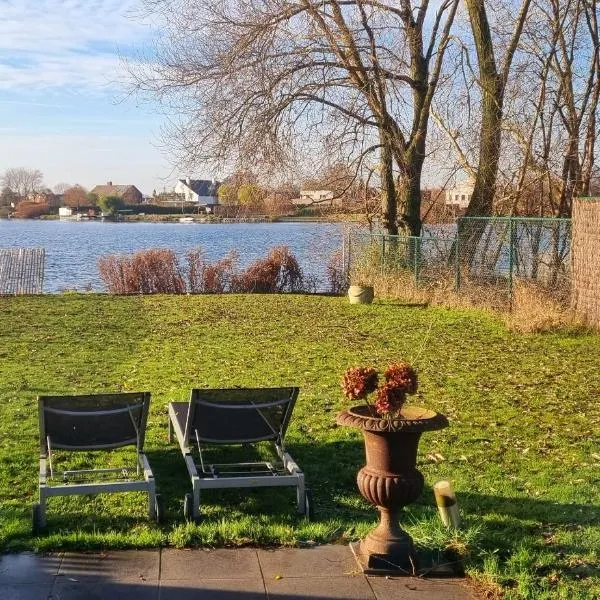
[
  {"x": 232, "y": 417},
  {"x": 93, "y": 423}
]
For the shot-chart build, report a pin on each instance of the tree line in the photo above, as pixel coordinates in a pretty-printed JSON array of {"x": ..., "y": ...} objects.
[
  {"x": 503, "y": 91},
  {"x": 24, "y": 194}
]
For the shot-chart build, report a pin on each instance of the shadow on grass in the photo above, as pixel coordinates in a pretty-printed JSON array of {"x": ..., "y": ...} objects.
[{"x": 267, "y": 516}]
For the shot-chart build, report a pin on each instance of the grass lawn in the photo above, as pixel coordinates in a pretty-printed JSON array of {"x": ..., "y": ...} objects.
[{"x": 523, "y": 446}]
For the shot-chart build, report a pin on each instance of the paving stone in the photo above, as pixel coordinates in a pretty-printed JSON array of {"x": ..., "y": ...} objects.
[
  {"x": 138, "y": 565},
  {"x": 223, "y": 563},
  {"x": 319, "y": 588},
  {"x": 213, "y": 589},
  {"x": 28, "y": 568},
  {"x": 104, "y": 590},
  {"x": 32, "y": 591},
  {"x": 412, "y": 588},
  {"x": 332, "y": 560}
]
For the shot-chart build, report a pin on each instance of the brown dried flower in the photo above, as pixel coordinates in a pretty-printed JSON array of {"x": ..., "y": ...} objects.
[
  {"x": 403, "y": 375},
  {"x": 400, "y": 379},
  {"x": 389, "y": 398},
  {"x": 359, "y": 382}
]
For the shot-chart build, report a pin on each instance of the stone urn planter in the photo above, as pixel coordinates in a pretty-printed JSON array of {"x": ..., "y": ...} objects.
[
  {"x": 361, "y": 294},
  {"x": 390, "y": 481}
]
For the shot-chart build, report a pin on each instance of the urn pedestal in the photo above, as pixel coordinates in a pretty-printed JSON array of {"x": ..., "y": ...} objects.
[{"x": 390, "y": 481}]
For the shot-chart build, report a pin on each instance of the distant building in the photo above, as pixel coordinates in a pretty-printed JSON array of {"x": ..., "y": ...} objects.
[
  {"x": 460, "y": 194},
  {"x": 128, "y": 193},
  {"x": 65, "y": 212},
  {"x": 45, "y": 197},
  {"x": 202, "y": 192},
  {"x": 324, "y": 198}
]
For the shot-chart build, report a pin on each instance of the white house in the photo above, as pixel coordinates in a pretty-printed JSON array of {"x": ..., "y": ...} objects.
[
  {"x": 317, "y": 197},
  {"x": 199, "y": 191},
  {"x": 460, "y": 194}
]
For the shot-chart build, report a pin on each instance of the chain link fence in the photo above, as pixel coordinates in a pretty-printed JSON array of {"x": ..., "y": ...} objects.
[{"x": 482, "y": 258}]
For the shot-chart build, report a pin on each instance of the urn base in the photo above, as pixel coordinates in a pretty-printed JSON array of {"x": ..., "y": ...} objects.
[{"x": 418, "y": 563}]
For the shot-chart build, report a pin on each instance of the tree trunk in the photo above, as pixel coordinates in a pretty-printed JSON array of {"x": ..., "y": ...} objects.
[
  {"x": 492, "y": 90},
  {"x": 410, "y": 196},
  {"x": 389, "y": 208}
]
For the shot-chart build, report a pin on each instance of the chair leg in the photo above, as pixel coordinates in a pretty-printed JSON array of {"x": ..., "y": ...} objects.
[
  {"x": 151, "y": 499},
  {"x": 42, "y": 511},
  {"x": 170, "y": 430},
  {"x": 196, "y": 498},
  {"x": 301, "y": 494}
]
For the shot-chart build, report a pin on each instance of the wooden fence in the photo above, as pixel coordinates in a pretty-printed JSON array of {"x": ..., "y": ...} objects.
[{"x": 21, "y": 271}]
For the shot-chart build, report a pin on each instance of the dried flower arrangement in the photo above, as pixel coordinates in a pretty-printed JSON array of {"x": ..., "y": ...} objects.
[{"x": 400, "y": 379}]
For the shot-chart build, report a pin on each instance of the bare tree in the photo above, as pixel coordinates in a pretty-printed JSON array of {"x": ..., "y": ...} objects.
[
  {"x": 556, "y": 131},
  {"x": 575, "y": 66},
  {"x": 22, "y": 181},
  {"x": 75, "y": 196},
  {"x": 262, "y": 80},
  {"x": 61, "y": 188},
  {"x": 493, "y": 81}
]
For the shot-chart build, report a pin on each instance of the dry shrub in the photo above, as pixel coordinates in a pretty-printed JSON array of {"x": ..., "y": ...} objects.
[
  {"x": 30, "y": 210},
  {"x": 537, "y": 309},
  {"x": 154, "y": 271},
  {"x": 278, "y": 272},
  {"x": 336, "y": 274},
  {"x": 534, "y": 308},
  {"x": 158, "y": 271},
  {"x": 207, "y": 278}
]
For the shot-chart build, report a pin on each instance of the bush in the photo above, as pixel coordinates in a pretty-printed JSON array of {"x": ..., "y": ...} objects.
[
  {"x": 278, "y": 272},
  {"x": 158, "y": 271},
  {"x": 336, "y": 274},
  {"x": 154, "y": 271},
  {"x": 30, "y": 210},
  {"x": 207, "y": 278}
]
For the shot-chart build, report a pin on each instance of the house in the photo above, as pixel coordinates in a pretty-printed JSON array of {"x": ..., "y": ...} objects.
[
  {"x": 65, "y": 212},
  {"x": 460, "y": 194},
  {"x": 45, "y": 197},
  {"x": 321, "y": 198},
  {"x": 128, "y": 193},
  {"x": 202, "y": 192}
]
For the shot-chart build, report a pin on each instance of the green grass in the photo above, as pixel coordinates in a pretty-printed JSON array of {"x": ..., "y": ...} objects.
[{"x": 522, "y": 448}]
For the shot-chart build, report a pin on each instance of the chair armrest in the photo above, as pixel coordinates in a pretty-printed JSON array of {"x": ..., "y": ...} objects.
[{"x": 290, "y": 464}]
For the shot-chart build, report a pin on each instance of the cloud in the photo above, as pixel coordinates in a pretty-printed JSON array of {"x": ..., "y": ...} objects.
[{"x": 64, "y": 43}]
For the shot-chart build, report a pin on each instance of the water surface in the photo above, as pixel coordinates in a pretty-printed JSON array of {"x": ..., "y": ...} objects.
[{"x": 73, "y": 247}]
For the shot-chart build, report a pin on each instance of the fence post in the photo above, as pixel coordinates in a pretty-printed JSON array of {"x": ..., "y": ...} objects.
[
  {"x": 457, "y": 257},
  {"x": 511, "y": 258},
  {"x": 416, "y": 258},
  {"x": 346, "y": 255}
]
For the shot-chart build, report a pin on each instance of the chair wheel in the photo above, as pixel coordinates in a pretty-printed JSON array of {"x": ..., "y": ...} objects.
[
  {"x": 309, "y": 511},
  {"x": 36, "y": 519},
  {"x": 188, "y": 507},
  {"x": 159, "y": 509}
]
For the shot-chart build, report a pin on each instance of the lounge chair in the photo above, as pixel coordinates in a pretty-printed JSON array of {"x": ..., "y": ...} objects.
[
  {"x": 93, "y": 423},
  {"x": 231, "y": 417}
]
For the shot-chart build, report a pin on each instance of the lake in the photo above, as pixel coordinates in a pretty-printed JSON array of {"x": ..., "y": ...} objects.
[{"x": 73, "y": 247}]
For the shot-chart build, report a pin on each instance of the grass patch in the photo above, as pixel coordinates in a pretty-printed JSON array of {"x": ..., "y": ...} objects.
[{"x": 522, "y": 448}]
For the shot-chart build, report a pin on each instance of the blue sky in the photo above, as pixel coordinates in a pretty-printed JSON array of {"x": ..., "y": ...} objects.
[{"x": 62, "y": 107}]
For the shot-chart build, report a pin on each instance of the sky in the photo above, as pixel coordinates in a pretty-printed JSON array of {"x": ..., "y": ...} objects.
[{"x": 63, "y": 104}]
